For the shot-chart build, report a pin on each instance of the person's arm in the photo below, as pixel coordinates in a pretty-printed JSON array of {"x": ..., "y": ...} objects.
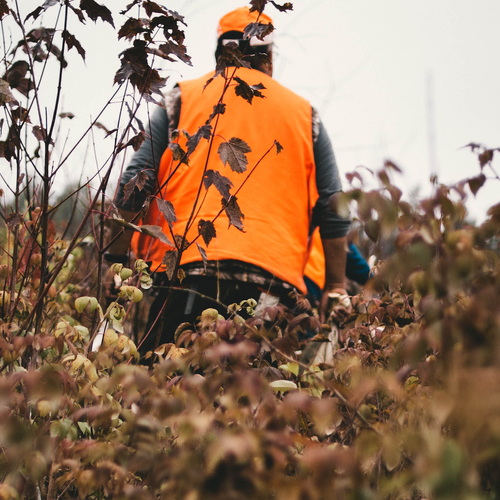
[
  {"x": 335, "y": 280},
  {"x": 333, "y": 227},
  {"x": 146, "y": 159},
  {"x": 120, "y": 238}
]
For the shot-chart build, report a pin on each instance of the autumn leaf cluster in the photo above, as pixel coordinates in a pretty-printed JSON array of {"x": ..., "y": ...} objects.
[{"x": 406, "y": 408}]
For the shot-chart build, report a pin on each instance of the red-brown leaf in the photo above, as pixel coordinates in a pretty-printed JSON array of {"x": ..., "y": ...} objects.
[
  {"x": 6, "y": 95},
  {"x": 219, "y": 109},
  {"x": 233, "y": 213},
  {"x": 4, "y": 8},
  {"x": 95, "y": 10},
  {"x": 170, "y": 261},
  {"x": 153, "y": 7},
  {"x": 138, "y": 181},
  {"x": 79, "y": 13},
  {"x": 475, "y": 183},
  {"x": 178, "y": 50},
  {"x": 71, "y": 42},
  {"x": 168, "y": 211},
  {"x": 283, "y": 8},
  {"x": 260, "y": 30},
  {"x": 34, "y": 14},
  {"x": 389, "y": 164},
  {"x": 222, "y": 184},
  {"x": 204, "y": 132},
  {"x": 257, "y": 5},
  {"x": 155, "y": 232},
  {"x": 16, "y": 73},
  {"x": 206, "y": 230},
  {"x": 101, "y": 126},
  {"x": 40, "y": 133},
  {"x": 178, "y": 154},
  {"x": 233, "y": 152},
  {"x": 248, "y": 92},
  {"x": 21, "y": 115},
  {"x": 485, "y": 157},
  {"x": 137, "y": 140},
  {"x": 203, "y": 255},
  {"x": 13, "y": 220},
  {"x": 181, "y": 242},
  {"x": 131, "y": 28}
]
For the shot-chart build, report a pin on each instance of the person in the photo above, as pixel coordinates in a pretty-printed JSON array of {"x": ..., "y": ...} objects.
[
  {"x": 357, "y": 269},
  {"x": 262, "y": 252}
]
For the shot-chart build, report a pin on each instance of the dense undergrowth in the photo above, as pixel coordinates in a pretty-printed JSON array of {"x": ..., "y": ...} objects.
[{"x": 407, "y": 409}]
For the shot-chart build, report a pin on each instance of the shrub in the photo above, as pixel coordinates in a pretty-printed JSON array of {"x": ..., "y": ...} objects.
[{"x": 406, "y": 409}]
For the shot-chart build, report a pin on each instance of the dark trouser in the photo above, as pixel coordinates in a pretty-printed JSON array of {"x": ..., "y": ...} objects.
[{"x": 185, "y": 305}]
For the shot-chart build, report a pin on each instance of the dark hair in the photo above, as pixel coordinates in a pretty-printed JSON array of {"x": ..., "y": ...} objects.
[{"x": 256, "y": 55}]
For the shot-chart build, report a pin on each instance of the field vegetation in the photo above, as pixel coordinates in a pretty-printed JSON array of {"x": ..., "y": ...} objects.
[{"x": 409, "y": 407}]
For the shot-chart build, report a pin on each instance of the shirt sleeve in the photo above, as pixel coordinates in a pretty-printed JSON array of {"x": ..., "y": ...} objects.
[
  {"x": 328, "y": 182},
  {"x": 356, "y": 267},
  {"x": 148, "y": 156}
]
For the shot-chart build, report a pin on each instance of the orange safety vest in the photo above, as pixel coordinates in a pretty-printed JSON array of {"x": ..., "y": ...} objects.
[
  {"x": 315, "y": 267},
  {"x": 276, "y": 200}
]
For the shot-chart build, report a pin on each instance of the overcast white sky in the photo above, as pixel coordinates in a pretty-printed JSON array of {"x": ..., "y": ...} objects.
[{"x": 411, "y": 81}]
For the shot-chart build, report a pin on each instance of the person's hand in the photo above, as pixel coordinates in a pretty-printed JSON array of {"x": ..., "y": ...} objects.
[
  {"x": 110, "y": 282},
  {"x": 114, "y": 276},
  {"x": 335, "y": 305}
]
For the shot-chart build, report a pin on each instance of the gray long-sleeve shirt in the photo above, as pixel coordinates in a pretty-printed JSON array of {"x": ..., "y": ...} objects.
[{"x": 164, "y": 120}]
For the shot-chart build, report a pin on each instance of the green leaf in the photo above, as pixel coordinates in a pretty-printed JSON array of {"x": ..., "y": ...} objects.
[
  {"x": 62, "y": 429},
  {"x": 146, "y": 281},
  {"x": 85, "y": 428},
  {"x": 81, "y": 303},
  {"x": 82, "y": 330},
  {"x": 291, "y": 367},
  {"x": 140, "y": 265},
  {"x": 125, "y": 273},
  {"x": 283, "y": 385}
]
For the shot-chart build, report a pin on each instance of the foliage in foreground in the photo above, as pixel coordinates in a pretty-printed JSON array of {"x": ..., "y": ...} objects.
[{"x": 408, "y": 408}]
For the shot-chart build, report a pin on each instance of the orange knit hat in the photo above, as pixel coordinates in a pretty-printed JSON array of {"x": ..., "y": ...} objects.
[{"x": 238, "y": 19}]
